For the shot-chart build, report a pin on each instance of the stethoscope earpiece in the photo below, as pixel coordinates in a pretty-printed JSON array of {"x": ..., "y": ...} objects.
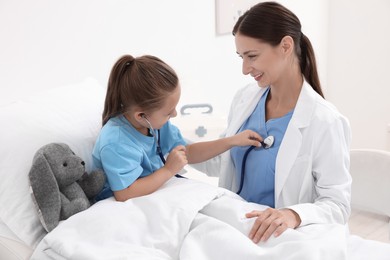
[{"x": 157, "y": 140}]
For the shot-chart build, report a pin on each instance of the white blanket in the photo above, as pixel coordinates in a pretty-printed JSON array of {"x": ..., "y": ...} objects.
[{"x": 184, "y": 219}]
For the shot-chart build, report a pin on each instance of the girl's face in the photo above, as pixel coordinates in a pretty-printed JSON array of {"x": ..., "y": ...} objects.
[
  {"x": 265, "y": 63},
  {"x": 159, "y": 117}
]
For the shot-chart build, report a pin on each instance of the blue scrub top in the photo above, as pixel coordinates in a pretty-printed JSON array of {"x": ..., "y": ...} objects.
[
  {"x": 124, "y": 154},
  {"x": 259, "y": 178}
]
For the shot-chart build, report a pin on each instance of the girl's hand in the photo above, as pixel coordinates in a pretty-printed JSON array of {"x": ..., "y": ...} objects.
[
  {"x": 176, "y": 159},
  {"x": 247, "y": 137},
  {"x": 272, "y": 221}
]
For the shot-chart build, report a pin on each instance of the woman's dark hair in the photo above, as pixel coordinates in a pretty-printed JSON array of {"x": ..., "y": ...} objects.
[
  {"x": 270, "y": 22},
  {"x": 144, "y": 81}
]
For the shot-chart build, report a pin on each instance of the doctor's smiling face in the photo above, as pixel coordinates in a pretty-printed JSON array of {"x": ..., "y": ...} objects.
[{"x": 264, "y": 62}]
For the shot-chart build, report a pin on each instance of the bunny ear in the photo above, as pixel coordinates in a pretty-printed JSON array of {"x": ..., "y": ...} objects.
[{"x": 45, "y": 192}]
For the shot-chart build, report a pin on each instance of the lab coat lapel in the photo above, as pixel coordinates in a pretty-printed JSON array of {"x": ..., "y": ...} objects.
[
  {"x": 287, "y": 155},
  {"x": 244, "y": 108},
  {"x": 292, "y": 140}
]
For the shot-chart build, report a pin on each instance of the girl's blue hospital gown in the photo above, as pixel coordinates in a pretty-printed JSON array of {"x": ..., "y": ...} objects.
[{"x": 124, "y": 154}]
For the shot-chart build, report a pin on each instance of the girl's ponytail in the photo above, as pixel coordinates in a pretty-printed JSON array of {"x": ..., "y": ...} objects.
[{"x": 113, "y": 104}]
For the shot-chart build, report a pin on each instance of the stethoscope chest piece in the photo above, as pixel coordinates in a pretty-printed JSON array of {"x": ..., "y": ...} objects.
[{"x": 268, "y": 142}]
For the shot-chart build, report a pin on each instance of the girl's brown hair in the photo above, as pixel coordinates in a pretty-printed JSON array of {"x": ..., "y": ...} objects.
[
  {"x": 270, "y": 22},
  {"x": 144, "y": 81}
]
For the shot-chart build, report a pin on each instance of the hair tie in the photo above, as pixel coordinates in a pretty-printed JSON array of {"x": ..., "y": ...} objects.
[{"x": 131, "y": 60}]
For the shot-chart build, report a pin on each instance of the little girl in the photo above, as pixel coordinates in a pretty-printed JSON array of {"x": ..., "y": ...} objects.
[{"x": 141, "y": 97}]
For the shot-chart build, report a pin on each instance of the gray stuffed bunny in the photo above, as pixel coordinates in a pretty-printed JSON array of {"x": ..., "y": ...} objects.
[{"x": 60, "y": 186}]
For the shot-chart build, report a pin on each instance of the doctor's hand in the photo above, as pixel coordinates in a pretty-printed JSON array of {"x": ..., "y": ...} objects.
[
  {"x": 247, "y": 138},
  {"x": 272, "y": 221},
  {"x": 176, "y": 160}
]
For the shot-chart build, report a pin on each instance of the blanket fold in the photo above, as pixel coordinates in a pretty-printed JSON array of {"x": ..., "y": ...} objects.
[{"x": 184, "y": 219}]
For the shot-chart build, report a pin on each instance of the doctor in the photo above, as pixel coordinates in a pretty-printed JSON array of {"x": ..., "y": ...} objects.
[{"x": 304, "y": 176}]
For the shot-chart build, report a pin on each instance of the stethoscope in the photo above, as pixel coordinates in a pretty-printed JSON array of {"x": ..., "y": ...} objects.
[
  {"x": 157, "y": 140},
  {"x": 266, "y": 143}
]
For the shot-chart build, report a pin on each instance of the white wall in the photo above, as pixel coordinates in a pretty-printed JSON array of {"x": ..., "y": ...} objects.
[
  {"x": 358, "y": 68},
  {"x": 47, "y": 43}
]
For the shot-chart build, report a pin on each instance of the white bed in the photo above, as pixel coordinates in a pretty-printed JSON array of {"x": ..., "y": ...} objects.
[{"x": 185, "y": 219}]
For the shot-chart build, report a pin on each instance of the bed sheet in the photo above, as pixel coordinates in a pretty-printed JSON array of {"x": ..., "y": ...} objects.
[
  {"x": 11, "y": 247},
  {"x": 184, "y": 219},
  {"x": 363, "y": 249},
  {"x": 6, "y": 232}
]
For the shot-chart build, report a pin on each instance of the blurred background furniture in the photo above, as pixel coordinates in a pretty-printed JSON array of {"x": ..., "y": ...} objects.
[{"x": 370, "y": 170}]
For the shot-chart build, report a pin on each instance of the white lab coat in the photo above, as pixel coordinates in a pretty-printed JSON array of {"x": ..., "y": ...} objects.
[{"x": 312, "y": 167}]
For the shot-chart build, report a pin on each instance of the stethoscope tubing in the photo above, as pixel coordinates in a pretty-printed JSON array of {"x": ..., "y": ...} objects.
[
  {"x": 157, "y": 139},
  {"x": 243, "y": 167},
  {"x": 159, "y": 152},
  {"x": 267, "y": 143}
]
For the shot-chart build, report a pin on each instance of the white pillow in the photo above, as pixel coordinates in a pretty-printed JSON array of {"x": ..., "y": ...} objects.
[{"x": 69, "y": 114}]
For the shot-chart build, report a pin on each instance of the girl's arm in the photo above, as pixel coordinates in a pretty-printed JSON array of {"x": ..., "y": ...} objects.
[
  {"x": 202, "y": 151},
  {"x": 180, "y": 156},
  {"x": 176, "y": 160}
]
